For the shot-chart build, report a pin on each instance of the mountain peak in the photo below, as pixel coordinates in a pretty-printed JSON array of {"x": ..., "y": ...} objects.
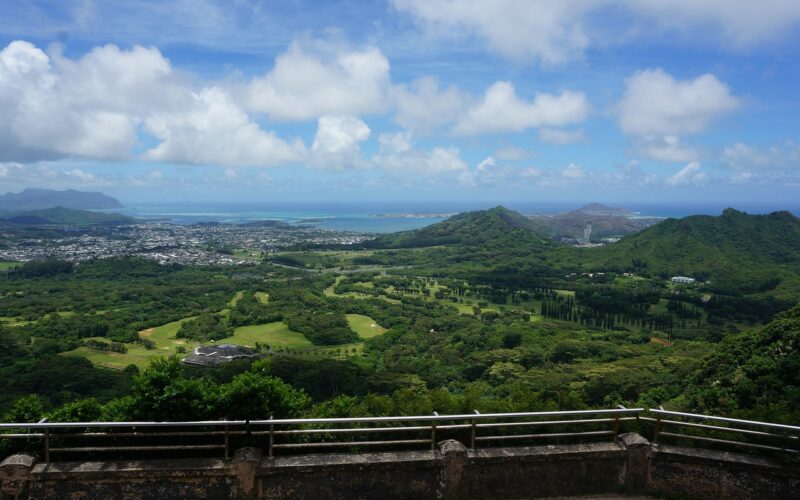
[{"x": 467, "y": 228}]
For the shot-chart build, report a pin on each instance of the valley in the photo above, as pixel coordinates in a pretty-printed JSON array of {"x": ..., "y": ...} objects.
[{"x": 478, "y": 311}]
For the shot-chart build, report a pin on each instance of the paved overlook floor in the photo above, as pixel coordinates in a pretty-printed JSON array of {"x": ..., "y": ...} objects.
[{"x": 604, "y": 497}]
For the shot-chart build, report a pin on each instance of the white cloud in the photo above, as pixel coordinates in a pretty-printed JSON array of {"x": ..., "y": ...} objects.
[
  {"x": 397, "y": 153},
  {"x": 573, "y": 172},
  {"x": 67, "y": 108},
  {"x": 667, "y": 148},
  {"x": 511, "y": 154},
  {"x": 336, "y": 144},
  {"x": 691, "y": 174},
  {"x": 17, "y": 175},
  {"x": 95, "y": 107},
  {"x": 741, "y": 23},
  {"x": 559, "y": 31},
  {"x": 549, "y": 31},
  {"x": 655, "y": 103},
  {"x": 559, "y": 136},
  {"x": 530, "y": 173},
  {"x": 216, "y": 131},
  {"x": 423, "y": 106},
  {"x": 309, "y": 82},
  {"x": 501, "y": 110},
  {"x": 741, "y": 156}
]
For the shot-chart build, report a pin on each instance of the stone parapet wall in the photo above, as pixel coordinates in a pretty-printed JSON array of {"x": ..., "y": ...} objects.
[{"x": 629, "y": 466}]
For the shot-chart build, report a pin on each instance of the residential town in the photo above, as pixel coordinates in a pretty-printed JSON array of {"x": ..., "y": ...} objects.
[{"x": 198, "y": 244}]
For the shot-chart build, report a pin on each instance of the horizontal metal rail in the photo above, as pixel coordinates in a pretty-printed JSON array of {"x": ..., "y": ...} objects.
[
  {"x": 303, "y": 421},
  {"x": 739, "y": 421},
  {"x": 769, "y": 433},
  {"x": 308, "y": 433},
  {"x": 394, "y": 431}
]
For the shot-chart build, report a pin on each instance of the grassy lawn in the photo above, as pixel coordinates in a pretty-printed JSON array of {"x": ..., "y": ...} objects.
[
  {"x": 274, "y": 334},
  {"x": 277, "y": 335},
  {"x": 247, "y": 254},
  {"x": 165, "y": 345},
  {"x": 263, "y": 297},
  {"x": 365, "y": 326},
  {"x": 329, "y": 291},
  {"x": 6, "y": 265},
  {"x": 235, "y": 299}
]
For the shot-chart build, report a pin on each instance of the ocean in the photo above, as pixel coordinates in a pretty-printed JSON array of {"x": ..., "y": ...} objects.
[{"x": 387, "y": 217}]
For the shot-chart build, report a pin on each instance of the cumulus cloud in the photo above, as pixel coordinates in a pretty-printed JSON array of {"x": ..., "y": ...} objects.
[
  {"x": 691, "y": 174},
  {"x": 501, "y": 110},
  {"x": 337, "y": 143},
  {"x": 215, "y": 131},
  {"x": 655, "y": 103},
  {"x": 96, "y": 106},
  {"x": 397, "y": 153},
  {"x": 312, "y": 81},
  {"x": 422, "y": 106},
  {"x": 69, "y": 109},
  {"x": 667, "y": 148},
  {"x": 560, "y": 136}
]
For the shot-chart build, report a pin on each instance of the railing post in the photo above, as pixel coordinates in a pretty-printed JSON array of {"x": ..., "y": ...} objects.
[
  {"x": 658, "y": 426},
  {"x": 227, "y": 443},
  {"x": 472, "y": 431},
  {"x": 616, "y": 422},
  {"x": 433, "y": 433},
  {"x": 271, "y": 438},
  {"x": 47, "y": 445}
]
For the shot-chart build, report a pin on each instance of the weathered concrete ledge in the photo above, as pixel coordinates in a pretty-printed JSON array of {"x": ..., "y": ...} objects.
[{"x": 631, "y": 466}]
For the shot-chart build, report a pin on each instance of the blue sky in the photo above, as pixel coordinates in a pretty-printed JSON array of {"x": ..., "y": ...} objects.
[{"x": 509, "y": 100}]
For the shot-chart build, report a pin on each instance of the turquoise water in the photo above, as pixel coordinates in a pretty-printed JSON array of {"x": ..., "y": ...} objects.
[{"x": 387, "y": 217}]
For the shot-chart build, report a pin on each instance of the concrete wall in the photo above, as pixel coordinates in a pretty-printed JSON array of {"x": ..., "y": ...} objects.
[{"x": 630, "y": 466}]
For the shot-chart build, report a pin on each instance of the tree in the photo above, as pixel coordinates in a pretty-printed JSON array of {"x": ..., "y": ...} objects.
[
  {"x": 26, "y": 409},
  {"x": 257, "y": 395}
]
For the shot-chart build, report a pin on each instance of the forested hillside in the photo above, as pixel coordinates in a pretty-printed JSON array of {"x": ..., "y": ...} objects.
[
  {"x": 754, "y": 374},
  {"x": 738, "y": 252},
  {"x": 477, "y": 312}
]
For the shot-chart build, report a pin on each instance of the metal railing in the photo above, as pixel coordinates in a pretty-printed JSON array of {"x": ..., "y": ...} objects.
[
  {"x": 721, "y": 431},
  {"x": 304, "y": 434}
]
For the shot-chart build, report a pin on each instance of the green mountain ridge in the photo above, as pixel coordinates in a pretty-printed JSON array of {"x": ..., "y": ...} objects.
[
  {"x": 38, "y": 199},
  {"x": 737, "y": 252},
  {"x": 64, "y": 216},
  {"x": 737, "y": 248}
]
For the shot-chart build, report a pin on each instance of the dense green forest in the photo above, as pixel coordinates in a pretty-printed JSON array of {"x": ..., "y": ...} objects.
[{"x": 478, "y": 312}]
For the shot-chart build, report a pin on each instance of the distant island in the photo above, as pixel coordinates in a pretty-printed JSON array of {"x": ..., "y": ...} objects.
[
  {"x": 598, "y": 209},
  {"x": 39, "y": 199}
]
